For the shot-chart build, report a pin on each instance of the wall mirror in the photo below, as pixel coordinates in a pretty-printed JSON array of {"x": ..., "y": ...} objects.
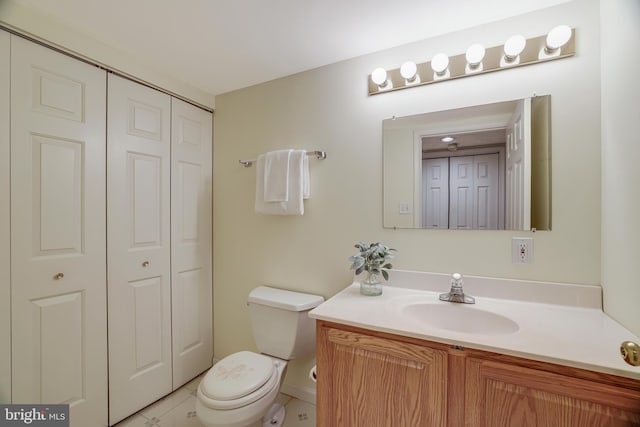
[{"x": 484, "y": 167}]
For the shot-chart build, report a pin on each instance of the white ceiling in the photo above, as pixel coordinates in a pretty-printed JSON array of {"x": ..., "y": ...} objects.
[{"x": 223, "y": 45}]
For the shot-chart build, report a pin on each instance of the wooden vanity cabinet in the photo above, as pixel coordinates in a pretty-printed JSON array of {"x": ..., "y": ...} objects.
[
  {"x": 500, "y": 394},
  {"x": 368, "y": 378},
  {"x": 371, "y": 381}
]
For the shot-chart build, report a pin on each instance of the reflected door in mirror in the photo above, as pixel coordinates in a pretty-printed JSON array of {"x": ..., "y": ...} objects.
[{"x": 462, "y": 192}]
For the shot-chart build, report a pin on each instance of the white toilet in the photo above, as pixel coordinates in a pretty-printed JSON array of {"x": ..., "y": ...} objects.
[{"x": 241, "y": 389}]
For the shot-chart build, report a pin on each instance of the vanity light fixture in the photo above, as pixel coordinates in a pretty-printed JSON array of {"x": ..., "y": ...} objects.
[
  {"x": 474, "y": 56},
  {"x": 440, "y": 66},
  {"x": 513, "y": 47},
  {"x": 409, "y": 71},
  {"x": 558, "y": 37},
  {"x": 517, "y": 51},
  {"x": 379, "y": 77}
]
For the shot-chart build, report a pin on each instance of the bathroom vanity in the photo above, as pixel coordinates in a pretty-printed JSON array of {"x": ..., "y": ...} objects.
[{"x": 379, "y": 363}]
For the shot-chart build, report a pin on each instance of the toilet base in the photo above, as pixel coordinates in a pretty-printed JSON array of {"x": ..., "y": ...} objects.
[{"x": 274, "y": 417}]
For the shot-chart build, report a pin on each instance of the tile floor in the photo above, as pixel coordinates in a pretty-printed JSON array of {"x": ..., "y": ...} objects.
[{"x": 179, "y": 410}]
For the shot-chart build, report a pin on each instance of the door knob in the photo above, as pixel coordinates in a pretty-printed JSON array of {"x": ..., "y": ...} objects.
[
  {"x": 630, "y": 352},
  {"x": 145, "y": 264},
  {"x": 58, "y": 276}
]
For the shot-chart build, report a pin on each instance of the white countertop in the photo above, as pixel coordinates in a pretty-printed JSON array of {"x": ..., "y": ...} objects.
[{"x": 557, "y": 323}]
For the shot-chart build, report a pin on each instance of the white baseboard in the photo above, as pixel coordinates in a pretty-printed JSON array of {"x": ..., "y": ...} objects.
[{"x": 306, "y": 394}]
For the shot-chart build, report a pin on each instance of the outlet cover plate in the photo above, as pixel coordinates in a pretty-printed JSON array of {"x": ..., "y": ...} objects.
[{"x": 521, "y": 250}]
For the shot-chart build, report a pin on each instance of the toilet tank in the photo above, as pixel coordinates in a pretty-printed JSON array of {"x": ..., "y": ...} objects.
[{"x": 280, "y": 322}]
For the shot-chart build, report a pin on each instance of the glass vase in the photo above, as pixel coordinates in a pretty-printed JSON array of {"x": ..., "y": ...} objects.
[{"x": 371, "y": 285}]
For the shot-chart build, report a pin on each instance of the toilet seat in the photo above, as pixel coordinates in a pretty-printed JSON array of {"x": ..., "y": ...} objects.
[{"x": 238, "y": 380}]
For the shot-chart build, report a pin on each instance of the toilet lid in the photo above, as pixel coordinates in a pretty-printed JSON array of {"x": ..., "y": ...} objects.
[{"x": 237, "y": 375}]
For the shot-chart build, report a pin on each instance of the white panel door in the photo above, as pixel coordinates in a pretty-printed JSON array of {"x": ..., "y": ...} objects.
[
  {"x": 138, "y": 238},
  {"x": 518, "y": 168},
  {"x": 435, "y": 184},
  {"x": 191, "y": 283},
  {"x": 59, "y": 324},
  {"x": 5, "y": 247},
  {"x": 461, "y": 188},
  {"x": 485, "y": 192}
]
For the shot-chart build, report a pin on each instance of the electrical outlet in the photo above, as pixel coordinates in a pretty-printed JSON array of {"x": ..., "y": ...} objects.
[
  {"x": 521, "y": 250},
  {"x": 403, "y": 208}
]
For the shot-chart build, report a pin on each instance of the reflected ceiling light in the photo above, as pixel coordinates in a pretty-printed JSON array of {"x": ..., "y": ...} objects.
[
  {"x": 447, "y": 139},
  {"x": 558, "y": 37},
  {"x": 379, "y": 77},
  {"x": 475, "y": 55},
  {"x": 440, "y": 63},
  {"x": 513, "y": 47},
  {"x": 409, "y": 71}
]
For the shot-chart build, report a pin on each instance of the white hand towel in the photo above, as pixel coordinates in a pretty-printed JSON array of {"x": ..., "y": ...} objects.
[
  {"x": 276, "y": 176},
  {"x": 298, "y": 184},
  {"x": 305, "y": 177},
  {"x": 295, "y": 205}
]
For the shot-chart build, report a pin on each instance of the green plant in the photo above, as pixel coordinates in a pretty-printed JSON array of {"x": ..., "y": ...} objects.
[{"x": 372, "y": 257}]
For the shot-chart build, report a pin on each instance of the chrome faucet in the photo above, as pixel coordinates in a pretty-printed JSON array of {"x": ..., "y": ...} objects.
[{"x": 456, "y": 294}]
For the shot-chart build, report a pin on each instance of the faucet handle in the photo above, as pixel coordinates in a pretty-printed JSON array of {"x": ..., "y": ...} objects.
[
  {"x": 456, "y": 280},
  {"x": 456, "y": 294}
]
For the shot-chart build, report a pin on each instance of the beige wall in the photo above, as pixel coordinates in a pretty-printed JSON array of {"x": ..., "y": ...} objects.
[
  {"x": 620, "y": 156},
  {"x": 17, "y": 17},
  {"x": 328, "y": 109},
  {"x": 399, "y": 173},
  {"x": 5, "y": 232}
]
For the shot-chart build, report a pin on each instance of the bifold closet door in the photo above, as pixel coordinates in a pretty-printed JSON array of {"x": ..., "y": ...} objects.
[
  {"x": 58, "y": 289},
  {"x": 5, "y": 242},
  {"x": 191, "y": 241},
  {"x": 138, "y": 237},
  {"x": 474, "y": 192}
]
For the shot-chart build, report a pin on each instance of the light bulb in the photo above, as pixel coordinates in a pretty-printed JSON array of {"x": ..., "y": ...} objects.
[
  {"x": 379, "y": 76},
  {"x": 514, "y": 47},
  {"x": 558, "y": 37},
  {"x": 447, "y": 139},
  {"x": 475, "y": 54},
  {"x": 439, "y": 63},
  {"x": 408, "y": 70}
]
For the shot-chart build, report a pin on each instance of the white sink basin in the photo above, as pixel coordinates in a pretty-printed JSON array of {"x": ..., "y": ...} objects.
[{"x": 457, "y": 317}]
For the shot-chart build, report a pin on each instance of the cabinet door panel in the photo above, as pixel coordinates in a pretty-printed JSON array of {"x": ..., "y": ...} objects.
[
  {"x": 191, "y": 283},
  {"x": 498, "y": 394},
  {"x": 138, "y": 215},
  {"x": 58, "y": 232},
  {"x": 353, "y": 369}
]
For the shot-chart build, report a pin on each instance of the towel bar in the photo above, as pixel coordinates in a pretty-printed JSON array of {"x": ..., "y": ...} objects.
[{"x": 320, "y": 155}]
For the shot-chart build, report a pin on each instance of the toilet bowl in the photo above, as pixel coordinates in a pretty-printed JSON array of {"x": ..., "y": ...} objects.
[{"x": 241, "y": 390}]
